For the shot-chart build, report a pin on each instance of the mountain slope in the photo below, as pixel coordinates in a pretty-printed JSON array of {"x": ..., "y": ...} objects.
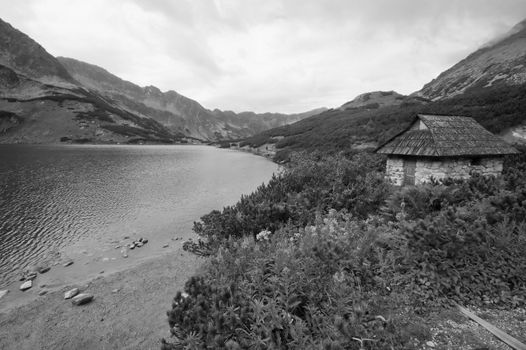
[
  {"x": 24, "y": 55},
  {"x": 377, "y": 99},
  {"x": 175, "y": 111},
  {"x": 489, "y": 85},
  {"x": 41, "y": 102},
  {"x": 45, "y": 99},
  {"x": 500, "y": 62},
  {"x": 499, "y": 109}
]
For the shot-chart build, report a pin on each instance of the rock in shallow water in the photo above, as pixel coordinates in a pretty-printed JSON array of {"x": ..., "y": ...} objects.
[
  {"x": 81, "y": 299},
  {"x": 43, "y": 269},
  {"x": 26, "y": 285},
  {"x": 42, "y": 292},
  {"x": 3, "y": 293},
  {"x": 67, "y": 263},
  {"x": 71, "y": 293},
  {"x": 31, "y": 276}
]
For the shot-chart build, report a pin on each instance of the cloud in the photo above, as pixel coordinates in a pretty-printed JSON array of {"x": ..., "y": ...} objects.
[{"x": 289, "y": 55}]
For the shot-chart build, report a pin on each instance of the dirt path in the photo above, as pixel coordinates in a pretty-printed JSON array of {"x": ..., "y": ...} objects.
[{"x": 132, "y": 318}]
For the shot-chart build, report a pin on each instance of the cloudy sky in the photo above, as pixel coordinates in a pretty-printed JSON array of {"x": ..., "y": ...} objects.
[{"x": 267, "y": 55}]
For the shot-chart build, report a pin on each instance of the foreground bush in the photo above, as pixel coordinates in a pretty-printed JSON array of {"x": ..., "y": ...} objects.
[
  {"x": 362, "y": 276},
  {"x": 297, "y": 289},
  {"x": 294, "y": 197}
]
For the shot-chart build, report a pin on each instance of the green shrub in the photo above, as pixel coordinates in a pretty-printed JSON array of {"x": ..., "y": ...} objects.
[
  {"x": 295, "y": 196},
  {"x": 327, "y": 256},
  {"x": 297, "y": 289}
]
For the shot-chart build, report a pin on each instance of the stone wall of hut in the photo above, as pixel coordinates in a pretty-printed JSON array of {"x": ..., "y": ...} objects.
[
  {"x": 394, "y": 170},
  {"x": 457, "y": 168}
]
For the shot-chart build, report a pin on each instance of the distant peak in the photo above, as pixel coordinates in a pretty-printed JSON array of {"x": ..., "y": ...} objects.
[
  {"x": 151, "y": 88},
  {"x": 374, "y": 99}
]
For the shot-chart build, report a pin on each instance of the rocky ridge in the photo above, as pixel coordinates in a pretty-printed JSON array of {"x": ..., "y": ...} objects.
[
  {"x": 173, "y": 110},
  {"x": 48, "y": 99},
  {"x": 500, "y": 62}
]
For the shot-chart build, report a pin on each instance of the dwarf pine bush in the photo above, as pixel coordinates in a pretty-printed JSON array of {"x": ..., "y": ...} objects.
[
  {"x": 327, "y": 256},
  {"x": 295, "y": 197}
]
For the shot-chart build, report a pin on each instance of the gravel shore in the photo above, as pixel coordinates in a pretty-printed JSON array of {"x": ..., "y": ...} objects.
[{"x": 128, "y": 312}]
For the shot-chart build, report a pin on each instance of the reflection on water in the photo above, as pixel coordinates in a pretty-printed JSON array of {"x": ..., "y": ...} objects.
[{"x": 52, "y": 197}]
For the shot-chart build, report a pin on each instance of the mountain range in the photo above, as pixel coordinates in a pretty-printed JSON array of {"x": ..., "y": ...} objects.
[
  {"x": 488, "y": 85},
  {"x": 50, "y": 99},
  {"x": 47, "y": 99}
]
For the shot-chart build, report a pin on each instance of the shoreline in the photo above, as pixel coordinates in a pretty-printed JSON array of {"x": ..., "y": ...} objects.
[
  {"x": 128, "y": 310},
  {"x": 251, "y": 150},
  {"x": 131, "y": 295},
  {"x": 84, "y": 269}
]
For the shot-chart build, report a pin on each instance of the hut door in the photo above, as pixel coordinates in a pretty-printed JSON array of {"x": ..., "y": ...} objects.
[{"x": 409, "y": 172}]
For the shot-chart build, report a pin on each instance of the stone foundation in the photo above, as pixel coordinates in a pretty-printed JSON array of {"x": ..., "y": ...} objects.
[{"x": 457, "y": 168}]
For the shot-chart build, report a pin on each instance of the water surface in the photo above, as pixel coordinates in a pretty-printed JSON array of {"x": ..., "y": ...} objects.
[{"x": 59, "y": 200}]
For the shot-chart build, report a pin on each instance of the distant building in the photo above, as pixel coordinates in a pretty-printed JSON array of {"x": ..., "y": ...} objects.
[{"x": 436, "y": 146}]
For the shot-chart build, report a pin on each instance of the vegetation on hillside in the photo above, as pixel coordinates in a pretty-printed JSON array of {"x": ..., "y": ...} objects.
[
  {"x": 334, "y": 131},
  {"x": 145, "y": 129},
  {"x": 329, "y": 256}
]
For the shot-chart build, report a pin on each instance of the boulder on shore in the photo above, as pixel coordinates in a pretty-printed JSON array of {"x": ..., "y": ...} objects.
[
  {"x": 26, "y": 285},
  {"x": 71, "y": 293},
  {"x": 81, "y": 299}
]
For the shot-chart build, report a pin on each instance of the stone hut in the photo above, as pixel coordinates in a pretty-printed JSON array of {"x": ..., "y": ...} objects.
[{"x": 436, "y": 146}]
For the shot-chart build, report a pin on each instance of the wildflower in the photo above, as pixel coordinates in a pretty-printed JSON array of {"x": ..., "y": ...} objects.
[
  {"x": 339, "y": 277},
  {"x": 263, "y": 235}
]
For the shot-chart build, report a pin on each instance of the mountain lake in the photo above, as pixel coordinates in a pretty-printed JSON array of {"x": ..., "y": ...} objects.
[{"x": 85, "y": 202}]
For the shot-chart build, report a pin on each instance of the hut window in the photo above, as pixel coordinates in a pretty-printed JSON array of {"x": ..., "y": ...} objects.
[{"x": 476, "y": 161}]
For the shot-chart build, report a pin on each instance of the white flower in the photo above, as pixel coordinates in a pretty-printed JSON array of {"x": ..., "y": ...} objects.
[
  {"x": 339, "y": 277},
  {"x": 263, "y": 235}
]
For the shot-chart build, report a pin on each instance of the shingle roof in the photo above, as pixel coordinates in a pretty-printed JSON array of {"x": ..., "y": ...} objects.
[{"x": 446, "y": 136}]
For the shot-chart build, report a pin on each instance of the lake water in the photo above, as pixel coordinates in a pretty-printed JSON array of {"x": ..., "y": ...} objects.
[{"x": 60, "y": 200}]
